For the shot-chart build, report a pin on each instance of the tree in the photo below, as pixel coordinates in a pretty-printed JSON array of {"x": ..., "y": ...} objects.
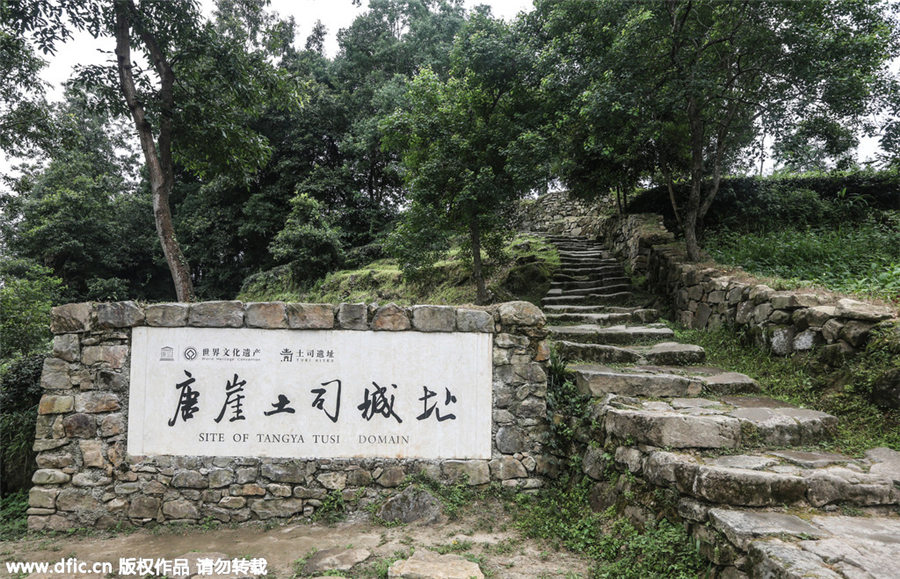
[
  {"x": 83, "y": 213},
  {"x": 463, "y": 140},
  {"x": 193, "y": 106},
  {"x": 694, "y": 81}
]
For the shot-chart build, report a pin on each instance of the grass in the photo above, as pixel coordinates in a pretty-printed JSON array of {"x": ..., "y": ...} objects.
[
  {"x": 13, "y": 520},
  {"x": 562, "y": 515},
  {"x": 523, "y": 271},
  {"x": 802, "y": 380},
  {"x": 857, "y": 258}
]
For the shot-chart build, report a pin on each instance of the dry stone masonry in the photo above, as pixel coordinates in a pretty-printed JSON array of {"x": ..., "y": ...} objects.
[
  {"x": 86, "y": 478},
  {"x": 704, "y": 297},
  {"x": 671, "y": 435}
]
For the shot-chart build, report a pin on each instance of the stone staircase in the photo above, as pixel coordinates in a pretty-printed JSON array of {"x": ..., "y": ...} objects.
[{"x": 756, "y": 497}]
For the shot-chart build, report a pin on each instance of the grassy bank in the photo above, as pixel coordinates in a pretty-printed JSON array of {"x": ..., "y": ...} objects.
[{"x": 522, "y": 271}]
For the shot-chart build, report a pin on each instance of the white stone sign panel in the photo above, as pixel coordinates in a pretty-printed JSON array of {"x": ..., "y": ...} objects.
[{"x": 310, "y": 394}]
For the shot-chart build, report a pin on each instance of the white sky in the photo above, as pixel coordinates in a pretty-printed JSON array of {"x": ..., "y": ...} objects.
[{"x": 335, "y": 14}]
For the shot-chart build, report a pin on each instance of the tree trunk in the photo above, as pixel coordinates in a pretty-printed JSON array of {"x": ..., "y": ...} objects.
[
  {"x": 692, "y": 210},
  {"x": 157, "y": 157},
  {"x": 475, "y": 239}
]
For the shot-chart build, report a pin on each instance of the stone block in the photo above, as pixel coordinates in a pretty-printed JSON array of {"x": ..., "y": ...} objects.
[
  {"x": 142, "y": 507},
  {"x": 474, "y": 321},
  {"x": 391, "y": 477},
  {"x": 114, "y": 356},
  {"x": 855, "y": 310},
  {"x": 288, "y": 472},
  {"x": 411, "y": 505},
  {"x": 424, "y": 563},
  {"x": 475, "y": 472},
  {"x": 220, "y": 477},
  {"x": 310, "y": 316},
  {"x": 96, "y": 402},
  {"x": 66, "y": 347},
  {"x": 53, "y": 404},
  {"x": 233, "y": 502},
  {"x": 510, "y": 439},
  {"x": 92, "y": 453},
  {"x": 856, "y": 333},
  {"x": 55, "y": 373},
  {"x": 180, "y": 509},
  {"x": 111, "y": 381},
  {"x": 434, "y": 318},
  {"x": 119, "y": 315},
  {"x": 112, "y": 425},
  {"x": 174, "y": 315},
  {"x": 334, "y": 481},
  {"x": 807, "y": 340},
  {"x": 220, "y": 314},
  {"x": 49, "y": 476},
  {"x": 781, "y": 340},
  {"x": 831, "y": 330},
  {"x": 520, "y": 314},
  {"x": 189, "y": 479},
  {"x": 266, "y": 315},
  {"x": 76, "y": 500},
  {"x": 390, "y": 318},
  {"x": 42, "y": 498},
  {"x": 55, "y": 460},
  {"x": 71, "y": 318},
  {"x": 268, "y": 509},
  {"x": 353, "y": 316},
  {"x": 80, "y": 426},
  {"x": 507, "y": 467}
]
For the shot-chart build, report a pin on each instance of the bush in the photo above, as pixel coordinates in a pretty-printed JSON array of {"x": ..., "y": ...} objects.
[
  {"x": 20, "y": 392},
  {"x": 29, "y": 291}
]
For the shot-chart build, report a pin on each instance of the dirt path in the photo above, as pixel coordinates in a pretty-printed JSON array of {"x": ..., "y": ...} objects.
[{"x": 486, "y": 535}]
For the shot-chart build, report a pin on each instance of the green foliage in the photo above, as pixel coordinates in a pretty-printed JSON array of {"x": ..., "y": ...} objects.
[
  {"x": 308, "y": 242},
  {"x": 769, "y": 203},
  {"x": 521, "y": 271},
  {"x": 26, "y": 296},
  {"x": 464, "y": 141},
  {"x": 20, "y": 392},
  {"x": 13, "y": 520},
  {"x": 563, "y": 516},
  {"x": 332, "y": 508},
  {"x": 861, "y": 258}
]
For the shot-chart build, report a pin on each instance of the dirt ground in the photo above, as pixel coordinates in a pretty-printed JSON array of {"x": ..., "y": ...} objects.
[{"x": 485, "y": 534}]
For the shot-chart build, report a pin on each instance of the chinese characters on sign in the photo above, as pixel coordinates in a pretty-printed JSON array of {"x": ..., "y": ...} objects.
[{"x": 310, "y": 394}]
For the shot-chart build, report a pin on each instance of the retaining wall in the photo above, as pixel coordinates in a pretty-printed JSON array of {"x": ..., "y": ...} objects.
[
  {"x": 86, "y": 478},
  {"x": 704, "y": 297}
]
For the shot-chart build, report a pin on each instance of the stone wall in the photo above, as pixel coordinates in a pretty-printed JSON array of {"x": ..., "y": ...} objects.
[
  {"x": 557, "y": 213},
  {"x": 704, "y": 297},
  {"x": 85, "y": 477}
]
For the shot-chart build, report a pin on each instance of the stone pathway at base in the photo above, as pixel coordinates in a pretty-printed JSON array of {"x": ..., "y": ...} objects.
[{"x": 757, "y": 502}]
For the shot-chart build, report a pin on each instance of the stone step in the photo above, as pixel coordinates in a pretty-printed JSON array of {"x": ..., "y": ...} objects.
[
  {"x": 595, "y": 309},
  {"x": 727, "y": 422},
  {"x": 603, "y": 268},
  {"x": 593, "y": 334},
  {"x": 665, "y": 353},
  {"x": 605, "y": 319},
  {"x": 605, "y": 288},
  {"x": 583, "y": 254},
  {"x": 617, "y": 298},
  {"x": 770, "y": 478},
  {"x": 660, "y": 381},
  {"x": 593, "y": 278},
  {"x": 605, "y": 271},
  {"x": 566, "y": 285}
]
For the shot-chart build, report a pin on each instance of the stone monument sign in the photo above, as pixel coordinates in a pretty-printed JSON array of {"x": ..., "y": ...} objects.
[{"x": 310, "y": 394}]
